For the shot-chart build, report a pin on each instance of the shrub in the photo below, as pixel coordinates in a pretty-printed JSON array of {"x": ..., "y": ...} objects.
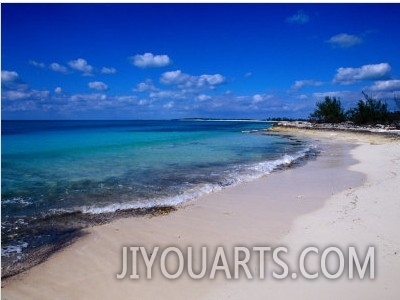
[
  {"x": 369, "y": 111},
  {"x": 328, "y": 111}
]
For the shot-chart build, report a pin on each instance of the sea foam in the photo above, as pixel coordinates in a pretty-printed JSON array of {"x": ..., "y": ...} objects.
[{"x": 243, "y": 173}]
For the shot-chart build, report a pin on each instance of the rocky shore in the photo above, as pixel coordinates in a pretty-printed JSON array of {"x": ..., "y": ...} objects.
[{"x": 390, "y": 130}]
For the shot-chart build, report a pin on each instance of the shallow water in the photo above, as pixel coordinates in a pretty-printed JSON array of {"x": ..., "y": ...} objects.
[{"x": 56, "y": 169}]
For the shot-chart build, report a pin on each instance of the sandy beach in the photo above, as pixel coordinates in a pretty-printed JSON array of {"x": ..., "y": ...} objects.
[{"x": 347, "y": 196}]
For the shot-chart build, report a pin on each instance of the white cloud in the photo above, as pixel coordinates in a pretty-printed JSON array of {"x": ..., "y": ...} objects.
[
  {"x": 126, "y": 99},
  {"x": 39, "y": 95},
  {"x": 299, "y": 84},
  {"x": 14, "y": 95},
  {"x": 386, "y": 85},
  {"x": 13, "y": 89},
  {"x": 9, "y": 76},
  {"x": 58, "y": 68},
  {"x": 174, "y": 77},
  {"x": 58, "y": 90},
  {"x": 257, "y": 98},
  {"x": 143, "y": 102},
  {"x": 89, "y": 102},
  {"x": 149, "y": 60},
  {"x": 10, "y": 80},
  {"x": 169, "y": 105},
  {"x": 145, "y": 86},
  {"x": 302, "y": 97},
  {"x": 210, "y": 79},
  {"x": 24, "y": 94},
  {"x": 344, "y": 40},
  {"x": 98, "y": 101},
  {"x": 98, "y": 85},
  {"x": 366, "y": 72},
  {"x": 82, "y": 65},
  {"x": 203, "y": 97},
  {"x": 88, "y": 97},
  {"x": 186, "y": 80},
  {"x": 105, "y": 70},
  {"x": 37, "y": 64},
  {"x": 248, "y": 74},
  {"x": 26, "y": 105},
  {"x": 178, "y": 94},
  {"x": 299, "y": 18}
]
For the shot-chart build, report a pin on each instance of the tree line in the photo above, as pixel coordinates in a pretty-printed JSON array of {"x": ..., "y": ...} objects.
[{"x": 367, "y": 111}]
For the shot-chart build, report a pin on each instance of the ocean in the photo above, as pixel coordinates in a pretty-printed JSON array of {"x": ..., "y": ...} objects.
[{"x": 58, "y": 177}]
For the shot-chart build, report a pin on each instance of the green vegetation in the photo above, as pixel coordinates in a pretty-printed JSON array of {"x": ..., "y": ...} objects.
[
  {"x": 367, "y": 111},
  {"x": 328, "y": 111}
]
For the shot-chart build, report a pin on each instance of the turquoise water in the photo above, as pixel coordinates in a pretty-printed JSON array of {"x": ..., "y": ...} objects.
[{"x": 94, "y": 167}]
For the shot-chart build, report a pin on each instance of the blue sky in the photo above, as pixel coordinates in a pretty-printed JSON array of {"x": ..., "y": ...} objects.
[{"x": 162, "y": 61}]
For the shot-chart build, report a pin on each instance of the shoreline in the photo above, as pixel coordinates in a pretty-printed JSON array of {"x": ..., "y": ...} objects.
[
  {"x": 66, "y": 228},
  {"x": 70, "y": 227},
  {"x": 343, "y": 128},
  {"x": 220, "y": 218}
]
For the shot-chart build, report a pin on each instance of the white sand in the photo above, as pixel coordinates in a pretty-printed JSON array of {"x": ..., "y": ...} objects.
[
  {"x": 320, "y": 204},
  {"x": 368, "y": 215}
]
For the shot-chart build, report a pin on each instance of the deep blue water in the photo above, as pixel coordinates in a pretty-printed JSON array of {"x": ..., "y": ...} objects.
[{"x": 94, "y": 167}]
